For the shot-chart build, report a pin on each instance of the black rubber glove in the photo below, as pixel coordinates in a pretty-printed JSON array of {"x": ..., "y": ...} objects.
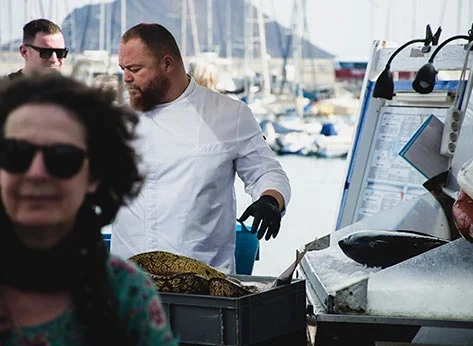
[{"x": 267, "y": 217}]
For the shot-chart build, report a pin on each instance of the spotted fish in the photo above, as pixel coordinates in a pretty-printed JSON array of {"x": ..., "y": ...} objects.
[
  {"x": 180, "y": 274},
  {"x": 166, "y": 263}
]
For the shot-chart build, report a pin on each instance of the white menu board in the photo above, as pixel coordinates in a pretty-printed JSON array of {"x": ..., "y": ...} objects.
[{"x": 389, "y": 179}]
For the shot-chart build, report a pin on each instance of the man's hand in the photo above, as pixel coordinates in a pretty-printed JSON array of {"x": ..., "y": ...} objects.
[{"x": 267, "y": 216}]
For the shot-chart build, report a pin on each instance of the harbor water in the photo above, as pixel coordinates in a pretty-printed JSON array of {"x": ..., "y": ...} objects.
[{"x": 316, "y": 190}]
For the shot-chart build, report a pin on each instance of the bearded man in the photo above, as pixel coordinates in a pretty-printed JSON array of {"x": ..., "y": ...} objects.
[{"x": 193, "y": 141}]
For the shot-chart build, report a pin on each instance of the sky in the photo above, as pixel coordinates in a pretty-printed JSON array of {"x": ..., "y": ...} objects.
[{"x": 345, "y": 28}]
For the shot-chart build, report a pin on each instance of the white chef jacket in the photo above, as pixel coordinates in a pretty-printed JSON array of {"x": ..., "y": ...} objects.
[{"x": 191, "y": 149}]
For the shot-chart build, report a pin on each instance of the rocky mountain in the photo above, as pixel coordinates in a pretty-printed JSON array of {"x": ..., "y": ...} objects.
[{"x": 82, "y": 26}]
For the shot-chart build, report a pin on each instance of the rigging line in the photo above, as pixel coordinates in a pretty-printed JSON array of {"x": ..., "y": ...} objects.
[
  {"x": 41, "y": 8},
  {"x": 388, "y": 20},
  {"x": 113, "y": 15},
  {"x": 72, "y": 26},
  {"x": 289, "y": 45},
  {"x": 220, "y": 8},
  {"x": 10, "y": 27},
  {"x": 195, "y": 34},
  {"x": 1, "y": 34},
  {"x": 442, "y": 13},
  {"x": 50, "y": 14},
  {"x": 229, "y": 28},
  {"x": 312, "y": 49},
  {"x": 459, "y": 15},
  {"x": 85, "y": 28},
  {"x": 279, "y": 36}
]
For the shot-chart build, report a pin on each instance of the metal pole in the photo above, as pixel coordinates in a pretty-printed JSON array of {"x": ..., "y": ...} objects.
[
  {"x": 51, "y": 10},
  {"x": 195, "y": 35},
  {"x": 56, "y": 17},
  {"x": 10, "y": 27},
  {"x": 209, "y": 26},
  {"x": 228, "y": 25},
  {"x": 388, "y": 20},
  {"x": 72, "y": 44},
  {"x": 108, "y": 29},
  {"x": 471, "y": 12},
  {"x": 298, "y": 58},
  {"x": 123, "y": 16},
  {"x": 41, "y": 8},
  {"x": 263, "y": 51},
  {"x": 27, "y": 11},
  {"x": 102, "y": 25},
  {"x": 184, "y": 27},
  {"x": 459, "y": 16},
  {"x": 249, "y": 47},
  {"x": 1, "y": 32}
]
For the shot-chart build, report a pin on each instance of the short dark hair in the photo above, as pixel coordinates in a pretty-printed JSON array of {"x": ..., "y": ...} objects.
[
  {"x": 109, "y": 128},
  {"x": 157, "y": 39},
  {"x": 39, "y": 25}
]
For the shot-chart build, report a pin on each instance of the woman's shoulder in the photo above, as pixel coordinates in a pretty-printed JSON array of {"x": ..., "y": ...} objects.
[
  {"x": 139, "y": 303},
  {"x": 134, "y": 289},
  {"x": 121, "y": 272}
]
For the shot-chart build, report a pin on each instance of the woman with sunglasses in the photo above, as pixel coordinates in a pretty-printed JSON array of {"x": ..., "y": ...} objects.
[{"x": 66, "y": 166}]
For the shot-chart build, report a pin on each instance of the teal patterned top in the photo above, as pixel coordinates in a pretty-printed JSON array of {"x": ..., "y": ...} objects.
[{"x": 139, "y": 305}]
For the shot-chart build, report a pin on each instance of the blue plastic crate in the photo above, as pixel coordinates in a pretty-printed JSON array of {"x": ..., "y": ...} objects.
[{"x": 246, "y": 249}]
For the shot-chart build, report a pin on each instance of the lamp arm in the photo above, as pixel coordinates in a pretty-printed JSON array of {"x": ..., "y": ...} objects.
[
  {"x": 457, "y": 37},
  {"x": 388, "y": 64}
]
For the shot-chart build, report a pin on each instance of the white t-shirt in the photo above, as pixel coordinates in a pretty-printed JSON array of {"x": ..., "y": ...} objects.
[{"x": 191, "y": 149}]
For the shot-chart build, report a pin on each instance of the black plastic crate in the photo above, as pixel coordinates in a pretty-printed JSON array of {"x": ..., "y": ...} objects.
[{"x": 257, "y": 318}]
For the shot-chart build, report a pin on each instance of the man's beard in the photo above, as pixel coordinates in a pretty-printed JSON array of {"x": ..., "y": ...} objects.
[{"x": 153, "y": 94}]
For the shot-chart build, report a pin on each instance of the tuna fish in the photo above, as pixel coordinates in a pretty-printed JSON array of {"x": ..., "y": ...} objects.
[{"x": 377, "y": 248}]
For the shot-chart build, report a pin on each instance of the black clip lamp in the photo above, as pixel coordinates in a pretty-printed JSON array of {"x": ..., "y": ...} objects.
[
  {"x": 424, "y": 80},
  {"x": 384, "y": 86}
]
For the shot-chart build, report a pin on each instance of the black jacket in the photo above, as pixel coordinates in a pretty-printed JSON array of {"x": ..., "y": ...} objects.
[{"x": 15, "y": 75}]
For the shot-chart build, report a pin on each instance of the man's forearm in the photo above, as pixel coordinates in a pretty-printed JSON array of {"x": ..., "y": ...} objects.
[{"x": 279, "y": 197}]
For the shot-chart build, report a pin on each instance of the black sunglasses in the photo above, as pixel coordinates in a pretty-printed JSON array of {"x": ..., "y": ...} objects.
[
  {"x": 46, "y": 53},
  {"x": 61, "y": 160}
]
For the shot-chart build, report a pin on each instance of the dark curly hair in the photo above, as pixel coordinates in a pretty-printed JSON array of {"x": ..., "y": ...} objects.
[{"x": 109, "y": 129}]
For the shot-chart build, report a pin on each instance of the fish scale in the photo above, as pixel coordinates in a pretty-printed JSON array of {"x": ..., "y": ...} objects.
[{"x": 180, "y": 274}]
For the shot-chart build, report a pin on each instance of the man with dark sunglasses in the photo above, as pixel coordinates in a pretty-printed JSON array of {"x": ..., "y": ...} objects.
[{"x": 43, "y": 48}]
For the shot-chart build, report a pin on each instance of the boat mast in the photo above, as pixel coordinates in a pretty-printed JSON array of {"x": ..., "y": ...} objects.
[
  {"x": 10, "y": 27},
  {"x": 471, "y": 11},
  {"x": 184, "y": 27},
  {"x": 263, "y": 51},
  {"x": 27, "y": 11},
  {"x": 56, "y": 17},
  {"x": 108, "y": 29},
  {"x": 414, "y": 18},
  {"x": 298, "y": 33},
  {"x": 195, "y": 36},
  {"x": 209, "y": 26},
  {"x": 41, "y": 8},
  {"x": 1, "y": 33},
  {"x": 228, "y": 25},
  {"x": 123, "y": 16},
  {"x": 248, "y": 24},
  {"x": 459, "y": 15},
  {"x": 102, "y": 26}
]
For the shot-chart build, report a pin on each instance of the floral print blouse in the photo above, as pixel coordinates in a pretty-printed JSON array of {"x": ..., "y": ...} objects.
[{"x": 139, "y": 305}]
